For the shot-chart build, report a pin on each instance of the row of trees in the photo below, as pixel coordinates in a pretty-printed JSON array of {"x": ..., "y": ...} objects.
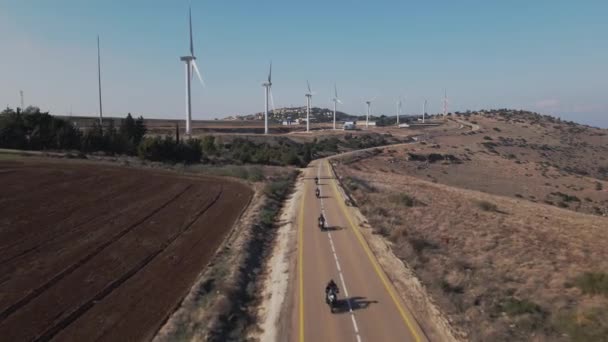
[
  {"x": 32, "y": 129},
  {"x": 36, "y": 130}
]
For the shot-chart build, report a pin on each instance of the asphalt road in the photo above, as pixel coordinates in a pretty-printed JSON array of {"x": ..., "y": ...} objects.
[{"x": 369, "y": 308}]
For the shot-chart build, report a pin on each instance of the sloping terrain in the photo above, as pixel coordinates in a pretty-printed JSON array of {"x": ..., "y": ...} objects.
[
  {"x": 91, "y": 252},
  {"x": 509, "y": 238}
]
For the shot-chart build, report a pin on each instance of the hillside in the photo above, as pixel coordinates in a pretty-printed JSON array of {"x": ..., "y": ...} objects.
[
  {"x": 279, "y": 114},
  {"x": 504, "y": 223}
]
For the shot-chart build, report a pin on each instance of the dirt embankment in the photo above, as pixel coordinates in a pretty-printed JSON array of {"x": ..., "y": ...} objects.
[{"x": 222, "y": 306}]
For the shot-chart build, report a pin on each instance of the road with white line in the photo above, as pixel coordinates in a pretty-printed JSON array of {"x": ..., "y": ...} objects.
[{"x": 369, "y": 307}]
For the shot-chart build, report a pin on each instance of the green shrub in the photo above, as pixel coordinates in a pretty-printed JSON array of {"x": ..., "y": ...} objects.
[
  {"x": 566, "y": 197},
  {"x": 588, "y": 326},
  {"x": 593, "y": 283},
  {"x": 487, "y": 206},
  {"x": 168, "y": 150},
  {"x": 403, "y": 199},
  {"x": 514, "y": 307},
  {"x": 355, "y": 183}
]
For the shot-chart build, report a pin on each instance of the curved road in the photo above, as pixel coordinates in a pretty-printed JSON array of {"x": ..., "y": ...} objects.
[{"x": 369, "y": 309}]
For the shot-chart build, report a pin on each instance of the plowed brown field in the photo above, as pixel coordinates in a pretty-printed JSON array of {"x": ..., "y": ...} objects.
[{"x": 90, "y": 252}]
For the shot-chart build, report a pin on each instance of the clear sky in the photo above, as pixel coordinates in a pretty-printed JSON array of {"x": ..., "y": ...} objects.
[{"x": 548, "y": 56}]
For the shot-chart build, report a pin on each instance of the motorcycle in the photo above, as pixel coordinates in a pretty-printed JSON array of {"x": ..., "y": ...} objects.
[
  {"x": 317, "y": 193},
  {"x": 331, "y": 298},
  {"x": 317, "y": 180},
  {"x": 321, "y": 223}
]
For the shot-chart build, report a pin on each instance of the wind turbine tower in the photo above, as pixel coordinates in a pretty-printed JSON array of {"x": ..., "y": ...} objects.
[
  {"x": 336, "y": 100},
  {"x": 398, "y": 110},
  {"x": 99, "y": 81},
  {"x": 423, "y": 110},
  {"x": 308, "y": 99},
  {"x": 369, "y": 105},
  {"x": 268, "y": 92},
  {"x": 190, "y": 65},
  {"x": 22, "y": 103},
  {"x": 445, "y": 102}
]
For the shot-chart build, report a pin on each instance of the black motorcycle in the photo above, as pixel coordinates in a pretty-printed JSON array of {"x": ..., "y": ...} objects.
[
  {"x": 318, "y": 193},
  {"x": 321, "y": 223},
  {"x": 331, "y": 298}
]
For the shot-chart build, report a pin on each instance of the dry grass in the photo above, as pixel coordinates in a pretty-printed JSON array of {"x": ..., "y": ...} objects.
[{"x": 501, "y": 263}]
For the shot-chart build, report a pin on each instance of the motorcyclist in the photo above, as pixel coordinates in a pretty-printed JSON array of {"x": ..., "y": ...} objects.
[
  {"x": 331, "y": 286},
  {"x": 321, "y": 220},
  {"x": 316, "y": 180},
  {"x": 318, "y": 192}
]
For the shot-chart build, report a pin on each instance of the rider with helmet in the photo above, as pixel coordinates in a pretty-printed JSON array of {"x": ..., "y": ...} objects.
[
  {"x": 321, "y": 220},
  {"x": 331, "y": 286},
  {"x": 317, "y": 192}
]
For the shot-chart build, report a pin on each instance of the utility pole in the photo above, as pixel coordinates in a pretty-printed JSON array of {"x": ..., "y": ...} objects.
[
  {"x": 22, "y": 103},
  {"x": 99, "y": 81}
]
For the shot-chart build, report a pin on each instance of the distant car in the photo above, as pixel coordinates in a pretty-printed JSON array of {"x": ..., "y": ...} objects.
[
  {"x": 403, "y": 125},
  {"x": 349, "y": 126}
]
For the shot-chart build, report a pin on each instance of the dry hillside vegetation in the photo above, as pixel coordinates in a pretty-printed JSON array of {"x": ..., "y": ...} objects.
[{"x": 509, "y": 239}]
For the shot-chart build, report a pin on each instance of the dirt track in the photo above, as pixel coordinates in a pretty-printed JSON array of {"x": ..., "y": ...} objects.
[{"x": 91, "y": 252}]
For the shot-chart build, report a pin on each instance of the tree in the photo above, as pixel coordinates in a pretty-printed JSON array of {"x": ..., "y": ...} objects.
[
  {"x": 140, "y": 130},
  {"x": 127, "y": 127},
  {"x": 208, "y": 144}
]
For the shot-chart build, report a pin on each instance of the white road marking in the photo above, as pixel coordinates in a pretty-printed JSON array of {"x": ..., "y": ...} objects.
[{"x": 331, "y": 243}]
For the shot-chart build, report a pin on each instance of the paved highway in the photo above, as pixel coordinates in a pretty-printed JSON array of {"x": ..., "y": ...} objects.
[{"x": 369, "y": 309}]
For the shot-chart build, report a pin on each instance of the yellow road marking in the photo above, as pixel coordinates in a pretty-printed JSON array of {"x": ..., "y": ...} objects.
[
  {"x": 301, "y": 262},
  {"x": 372, "y": 259}
]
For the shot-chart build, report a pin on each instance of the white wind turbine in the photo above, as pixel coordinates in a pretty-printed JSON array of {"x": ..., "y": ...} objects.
[
  {"x": 308, "y": 99},
  {"x": 423, "y": 110},
  {"x": 445, "y": 102},
  {"x": 335, "y": 100},
  {"x": 399, "y": 106},
  {"x": 190, "y": 65},
  {"x": 268, "y": 92},
  {"x": 369, "y": 106}
]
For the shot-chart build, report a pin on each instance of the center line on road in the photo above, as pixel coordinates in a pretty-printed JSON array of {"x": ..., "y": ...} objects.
[{"x": 333, "y": 250}]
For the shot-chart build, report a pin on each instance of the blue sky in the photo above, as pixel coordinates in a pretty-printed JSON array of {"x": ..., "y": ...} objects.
[{"x": 546, "y": 56}]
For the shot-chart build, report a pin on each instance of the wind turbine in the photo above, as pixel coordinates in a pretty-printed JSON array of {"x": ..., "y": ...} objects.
[
  {"x": 308, "y": 99},
  {"x": 190, "y": 65},
  {"x": 99, "y": 82},
  {"x": 445, "y": 102},
  {"x": 369, "y": 105},
  {"x": 336, "y": 100},
  {"x": 423, "y": 110},
  {"x": 398, "y": 110},
  {"x": 267, "y": 91}
]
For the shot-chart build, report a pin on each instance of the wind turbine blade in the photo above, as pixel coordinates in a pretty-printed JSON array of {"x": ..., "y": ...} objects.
[
  {"x": 271, "y": 99},
  {"x": 270, "y": 73},
  {"x": 336, "y": 90},
  {"x": 308, "y": 84},
  {"x": 339, "y": 101},
  {"x": 191, "y": 41},
  {"x": 198, "y": 73}
]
